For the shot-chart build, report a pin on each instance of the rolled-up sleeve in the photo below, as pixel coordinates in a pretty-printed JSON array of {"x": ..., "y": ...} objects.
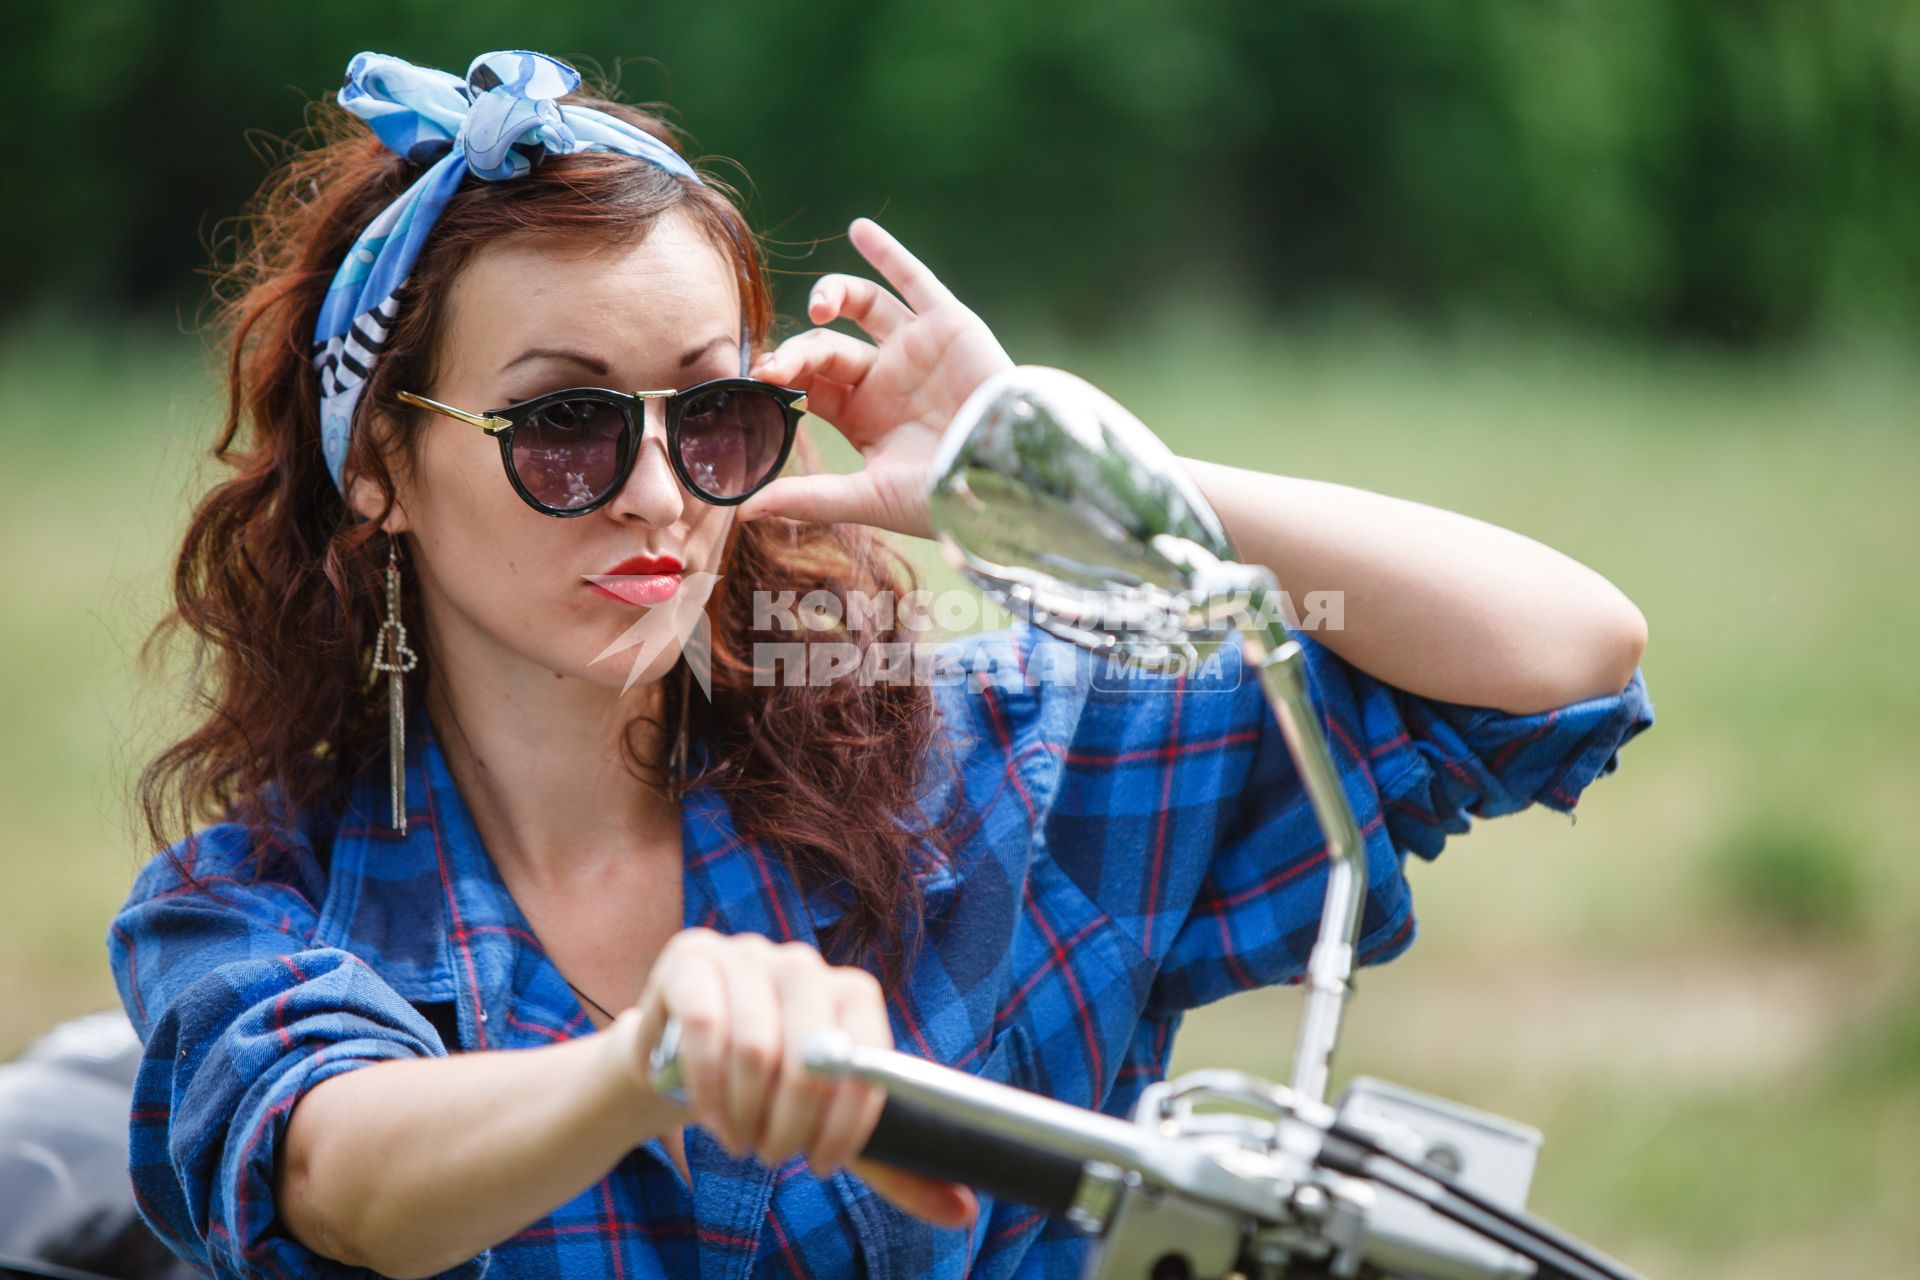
[
  {"x": 1436, "y": 764},
  {"x": 241, "y": 1012},
  {"x": 1415, "y": 770}
]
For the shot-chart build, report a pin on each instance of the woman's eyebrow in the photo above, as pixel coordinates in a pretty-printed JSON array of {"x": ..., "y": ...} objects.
[
  {"x": 688, "y": 360},
  {"x": 594, "y": 363},
  {"x": 600, "y": 366}
]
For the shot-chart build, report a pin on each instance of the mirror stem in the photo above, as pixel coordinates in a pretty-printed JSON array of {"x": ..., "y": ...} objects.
[{"x": 1282, "y": 667}]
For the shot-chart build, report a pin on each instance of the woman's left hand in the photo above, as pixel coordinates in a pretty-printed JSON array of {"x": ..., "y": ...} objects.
[{"x": 892, "y": 398}]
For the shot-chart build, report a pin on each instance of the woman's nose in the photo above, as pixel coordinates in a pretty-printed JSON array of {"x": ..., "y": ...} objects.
[{"x": 652, "y": 491}]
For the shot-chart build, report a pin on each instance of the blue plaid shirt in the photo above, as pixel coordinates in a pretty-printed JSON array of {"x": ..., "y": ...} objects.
[{"x": 1137, "y": 846}]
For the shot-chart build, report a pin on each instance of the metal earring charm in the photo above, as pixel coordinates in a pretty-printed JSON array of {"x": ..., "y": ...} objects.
[{"x": 392, "y": 656}]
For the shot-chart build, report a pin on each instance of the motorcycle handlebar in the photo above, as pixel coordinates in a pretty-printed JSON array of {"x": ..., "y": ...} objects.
[
  {"x": 918, "y": 1137},
  {"x": 920, "y": 1140},
  {"x": 1026, "y": 1149}
]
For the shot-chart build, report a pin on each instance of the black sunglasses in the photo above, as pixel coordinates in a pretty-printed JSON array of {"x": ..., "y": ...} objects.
[{"x": 567, "y": 452}]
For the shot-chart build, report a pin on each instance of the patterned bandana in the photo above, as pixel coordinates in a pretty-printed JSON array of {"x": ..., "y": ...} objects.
[{"x": 498, "y": 124}]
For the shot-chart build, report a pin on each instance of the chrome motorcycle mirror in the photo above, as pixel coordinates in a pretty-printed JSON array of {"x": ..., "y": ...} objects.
[{"x": 1066, "y": 510}]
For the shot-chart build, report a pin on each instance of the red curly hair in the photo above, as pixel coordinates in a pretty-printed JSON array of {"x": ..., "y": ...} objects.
[{"x": 281, "y": 586}]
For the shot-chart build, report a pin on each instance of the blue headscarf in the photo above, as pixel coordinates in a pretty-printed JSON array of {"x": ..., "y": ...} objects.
[{"x": 498, "y": 124}]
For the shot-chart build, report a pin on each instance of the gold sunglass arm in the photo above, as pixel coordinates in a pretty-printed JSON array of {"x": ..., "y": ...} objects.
[{"x": 486, "y": 422}]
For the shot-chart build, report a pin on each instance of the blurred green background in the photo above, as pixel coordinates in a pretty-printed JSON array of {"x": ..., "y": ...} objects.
[{"x": 1638, "y": 279}]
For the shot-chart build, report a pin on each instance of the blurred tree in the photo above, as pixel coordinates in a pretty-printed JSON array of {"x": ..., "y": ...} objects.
[{"x": 1737, "y": 171}]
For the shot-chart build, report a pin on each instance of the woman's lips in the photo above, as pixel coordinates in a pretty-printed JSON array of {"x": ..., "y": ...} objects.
[{"x": 635, "y": 588}]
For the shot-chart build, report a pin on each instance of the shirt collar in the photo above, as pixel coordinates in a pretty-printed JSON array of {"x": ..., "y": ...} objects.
[{"x": 431, "y": 912}]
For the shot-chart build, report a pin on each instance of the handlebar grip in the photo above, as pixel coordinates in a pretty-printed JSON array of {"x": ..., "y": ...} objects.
[
  {"x": 917, "y": 1139},
  {"x": 914, "y": 1138}
]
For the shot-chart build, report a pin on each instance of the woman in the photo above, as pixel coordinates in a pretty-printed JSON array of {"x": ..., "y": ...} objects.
[{"x": 397, "y": 1004}]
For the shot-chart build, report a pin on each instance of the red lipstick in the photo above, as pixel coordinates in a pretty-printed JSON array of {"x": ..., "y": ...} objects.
[
  {"x": 638, "y": 580},
  {"x": 644, "y": 564}
]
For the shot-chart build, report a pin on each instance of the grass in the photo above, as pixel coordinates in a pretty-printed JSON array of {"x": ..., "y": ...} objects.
[{"x": 1701, "y": 991}]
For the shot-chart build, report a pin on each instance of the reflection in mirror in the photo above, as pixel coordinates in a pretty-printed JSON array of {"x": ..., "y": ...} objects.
[{"x": 1066, "y": 510}]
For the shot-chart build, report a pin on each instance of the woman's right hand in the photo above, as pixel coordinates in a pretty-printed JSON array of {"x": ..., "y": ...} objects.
[
  {"x": 891, "y": 398},
  {"x": 747, "y": 1007}
]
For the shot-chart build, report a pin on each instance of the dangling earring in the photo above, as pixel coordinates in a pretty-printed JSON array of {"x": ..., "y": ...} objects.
[
  {"x": 392, "y": 656},
  {"x": 677, "y": 761}
]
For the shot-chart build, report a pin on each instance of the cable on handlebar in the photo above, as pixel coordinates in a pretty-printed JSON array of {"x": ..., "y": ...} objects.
[{"x": 1348, "y": 1150}]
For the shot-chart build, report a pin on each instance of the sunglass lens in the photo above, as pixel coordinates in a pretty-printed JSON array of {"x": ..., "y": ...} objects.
[
  {"x": 572, "y": 451},
  {"x": 730, "y": 439}
]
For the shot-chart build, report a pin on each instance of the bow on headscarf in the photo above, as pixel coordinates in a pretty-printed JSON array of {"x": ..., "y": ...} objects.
[{"x": 497, "y": 124}]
